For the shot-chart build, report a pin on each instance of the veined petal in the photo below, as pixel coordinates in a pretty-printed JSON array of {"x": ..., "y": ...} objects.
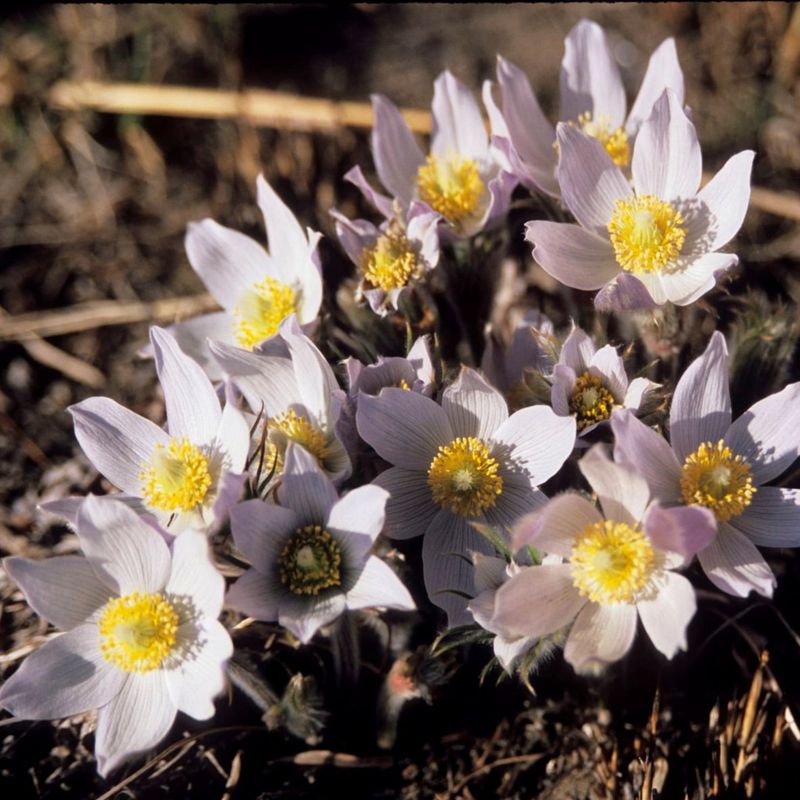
[
  {"x": 768, "y": 434},
  {"x": 118, "y": 442},
  {"x": 193, "y": 334},
  {"x": 194, "y": 574},
  {"x": 378, "y": 586},
  {"x": 608, "y": 365},
  {"x": 380, "y": 201},
  {"x": 667, "y": 613},
  {"x": 457, "y": 122},
  {"x": 622, "y": 491},
  {"x": 638, "y": 389},
  {"x": 577, "y": 351},
  {"x": 304, "y": 618},
  {"x": 473, "y": 407},
  {"x": 561, "y": 389},
  {"x": 233, "y": 437},
  {"x": 772, "y": 519},
  {"x": 66, "y": 676},
  {"x": 554, "y": 528},
  {"x": 305, "y": 488},
  {"x": 625, "y": 293},
  {"x": 64, "y": 590},
  {"x": 695, "y": 277},
  {"x": 260, "y": 530},
  {"x": 600, "y": 635},
  {"x": 663, "y": 72},
  {"x": 135, "y": 720},
  {"x": 576, "y": 257},
  {"x": 357, "y": 519},
  {"x": 257, "y": 595},
  {"x": 410, "y": 508},
  {"x": 701, "y": 405}
]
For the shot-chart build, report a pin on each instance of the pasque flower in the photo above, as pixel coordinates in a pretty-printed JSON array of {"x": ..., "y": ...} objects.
[
  {"x": 618, "y": 566},
  {"x": 142, "y": 639},
  {"x": 651, "y": 241},
  {"x": 311, "y": 553},
  {"x": 723, "y": 466}
]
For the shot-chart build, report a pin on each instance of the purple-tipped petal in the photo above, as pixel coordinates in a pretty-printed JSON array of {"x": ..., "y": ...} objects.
[
  {"x": 684, "y": 530},
  {"x": 701, "y": 406},
  {"x": 380, "y": 201},
  {"x": 624, "y": 293},
  {"x": 663, "y": 72},
  {"x": 457, "y": 122},
  {"x": 622, "y": 491},
  {"x": 556, "y": 527},
  {"x": 772, "y": 519},
  {"x": 473, "y": 407},
  {"x": 666, "y": 614},
  {"x": 378, "y": 586},
  {"x": 600, "y": 635},
  {"x": 410, "y": 508},
  {"x": 576, "y": 257}
]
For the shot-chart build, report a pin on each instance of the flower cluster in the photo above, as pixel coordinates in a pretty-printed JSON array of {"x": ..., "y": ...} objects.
[{"x": 268, "y": 471}]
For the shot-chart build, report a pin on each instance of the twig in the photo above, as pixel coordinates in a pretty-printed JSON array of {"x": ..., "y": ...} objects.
[{"x": 530, "y": 758}]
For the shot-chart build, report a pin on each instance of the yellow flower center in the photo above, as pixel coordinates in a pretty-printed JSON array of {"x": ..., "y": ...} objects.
[
  {"x": 463, "y": 476},
  {"x": 310, "y": 561},
  {"x": 261, "y": 310},
  {"x": 646, "y": 233},
  {"x": 452, "y": 186},
  {"x": 291, "y": 426},
  {"x": 614, "y": 140},
  {"x": 137, "y": 631},
  {"x": 590, "y": 401},
  {"x": 390, "y": 263},
  {"x": 717, "y": 479},
  {"x": 176, "y": 478},
  {"x": 611, "y": 562},
  {"x": 403, "y": 384}
]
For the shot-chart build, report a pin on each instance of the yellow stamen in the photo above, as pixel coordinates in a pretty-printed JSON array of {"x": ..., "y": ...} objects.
[
  {"x": 463, "y": 476},
  {"x": 611, "y": 562},
  {"x": 176, "y": 478},
  {"x": 647, "y": 234},
  {"x": 717, "y": 479},
  {"x": 403, "y": 384},
  {"x": 291, "y": 426},
  {"x": 391, "y": 262},
  {"x": 310, "y": 561},
  {"x": 137, "y": 631},
  {"x": 615, "y": 140},
  {"x": 452, "y": 186},
  {"x": 261, "y": 310},
  {"x": 590, "y": 401}
]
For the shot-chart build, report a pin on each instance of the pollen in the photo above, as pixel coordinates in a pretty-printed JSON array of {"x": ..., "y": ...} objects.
[
  {"x": 463, "y": 477},
  {"x": 291, "y": 426},
  {"x": 260, "y": 311},
  {"x": 310, "y": 561},
  {"x": 590, "y": 401},
  {"x": 615, "y": 140},
  {"x": 611, "y": 562},
  {"x": 391, "y": 262},
  {"x": 646, "y": 233},
  {"x": 137, "y": 631},
  {"x": 717, "y": 479},
  {"x": 176, "y": 477},
  {"x": 452, "y": 186}
]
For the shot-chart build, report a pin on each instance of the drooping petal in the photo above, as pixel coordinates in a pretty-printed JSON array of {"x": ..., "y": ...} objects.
[
  {"x": 734, "y": 565},
  {"x": 380, "y": 201},
  {"x": 640, "y": 447},
  {"x": 228, "y": 262},
  {"x": 405, "y": 428},
  {"x": 663, "y": 72},
  {"x": 64, "y": 590},
  {"x": 66, "y": 676},
  {"x": 410, "y": 508},
  {"x": 193, "y": 408},
  {"x": 125, "y": 551},
  {"x": 555, "y": 527},
  {"x": 590, "y": 79},
  {"x": 684, "y": 530},
  {"x": 118, "y": 442},
  {"x": 537, "y": 601},
  {"x": 622, "y": 491},
  {"x": 667, "y": 613},
  {"x": 194, "y": 575},
  {"x": 591, "y": 183},
  {"x": 396, "y": 152},
  {"x": 357, "y": 519},
  {"x": 666, "y": 158},
  {"x": 576, "y": 257},
  {"x": 772, "y": 519},
  {"x": 447, "y": 569},
  {"x": 138, "y": 718},
  {"x": 768, "y": 434},
  {"x": 378, "y": 586},
  {"x": 473, "y": 407},
  {"x": 600, "y": 635},
  {"x": 200, "y": 677},
  {"x": 305, "y": 488},
  {"x": 457, "y": 122},
  {"x": 701, "y": 406}
]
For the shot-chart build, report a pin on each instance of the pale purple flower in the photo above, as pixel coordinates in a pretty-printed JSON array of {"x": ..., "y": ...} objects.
[
  {"x": 725, "y": 466},
  {"x": 457, "y": 463},
  {"x": 142, "y": 639},
  {"x": 311, "y": 554},
  {"x": 652, "y": 241},
  {"x": 458, "y": 179},
  {"x": 590, "y": 383},
  {"x": 187, "y": 476},
  {"x": 618, "y": 567},
  {"x": 257, "y": 290},
  {"x": 592, "y": 100},
  {"x": 289, "y": 382},
  {"x": 392, "y": 257}
]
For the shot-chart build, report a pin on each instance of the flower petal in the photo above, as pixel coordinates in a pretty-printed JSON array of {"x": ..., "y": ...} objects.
[
  {"x": 600, "y": 635},
  {"x": 379, "y": 586},
  {"x": 410, "y": 508},
  {"x": 357, "y": 519},
  {"x": 304, "y": 617},
  {"x": 561, "y": 389},
  {"x": 608, "y": 365},
  {"x": 457, "y": 122},
  {"x": 305, "y": 488},
  {"x": 637, "y": 391},
  {"x": 576, "y": 257},
  {"x": 554, "y": 528},
  {"x": 701, "y": 405},
  {"x": 66, "y": 676},
  {"x": 380, "y": 201},
  {"x": 64, "y": 590},
  {"x": 193, "y": 334},
  {"x": 118, "y": 442},
  {"x": 233, "y": 437},
  {"x": 577, "y": 351},
  {"x": 768, "y": 434},
  {"x": 734, "y": 565},
  {"x": 473, "y": 407},
  {"x": 138, "y": 718},
  {"x": 622, "y": 491},
  {"x": 772, "y": 519},
  {"x": 684, "y": 530},
  {"x": 194, "y": 574},
  {"x": 260, "y": 529},
  {"x": 695, "y": 277},
  {"x": 663, "y": 72},
  {"x": 625, "y": 293},
  {"x": 666, "y": 615}
]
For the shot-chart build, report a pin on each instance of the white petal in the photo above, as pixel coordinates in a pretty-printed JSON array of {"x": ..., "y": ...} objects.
[
  {"x": 666, "y": 615},
  {"x": 622, "y": 491},
  {"x": 555, "y": 528},
  {"x": 138, "y": 718},
  {"x": 695, "y": 277},
  {"x": 600, "y": 635},
  {"x": 577, "y": 351},
  {"x": 379, "y": 586},
  {"x": 233, "y": 437},
  {"x": 304, "y": 617},
  {"x": 457, "y": 122},
  {"x": 663, "y": 71},
  {"x": 607, "y": 364},
  {"x": 193, "y": 334},
  {"x": 772, "y": 519},
  {"x": 357, "y": 519},
  {"x": 638, "y": 390},
  {"x": 473, "y": 407},
  {"x": 194, "y": 574}
]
